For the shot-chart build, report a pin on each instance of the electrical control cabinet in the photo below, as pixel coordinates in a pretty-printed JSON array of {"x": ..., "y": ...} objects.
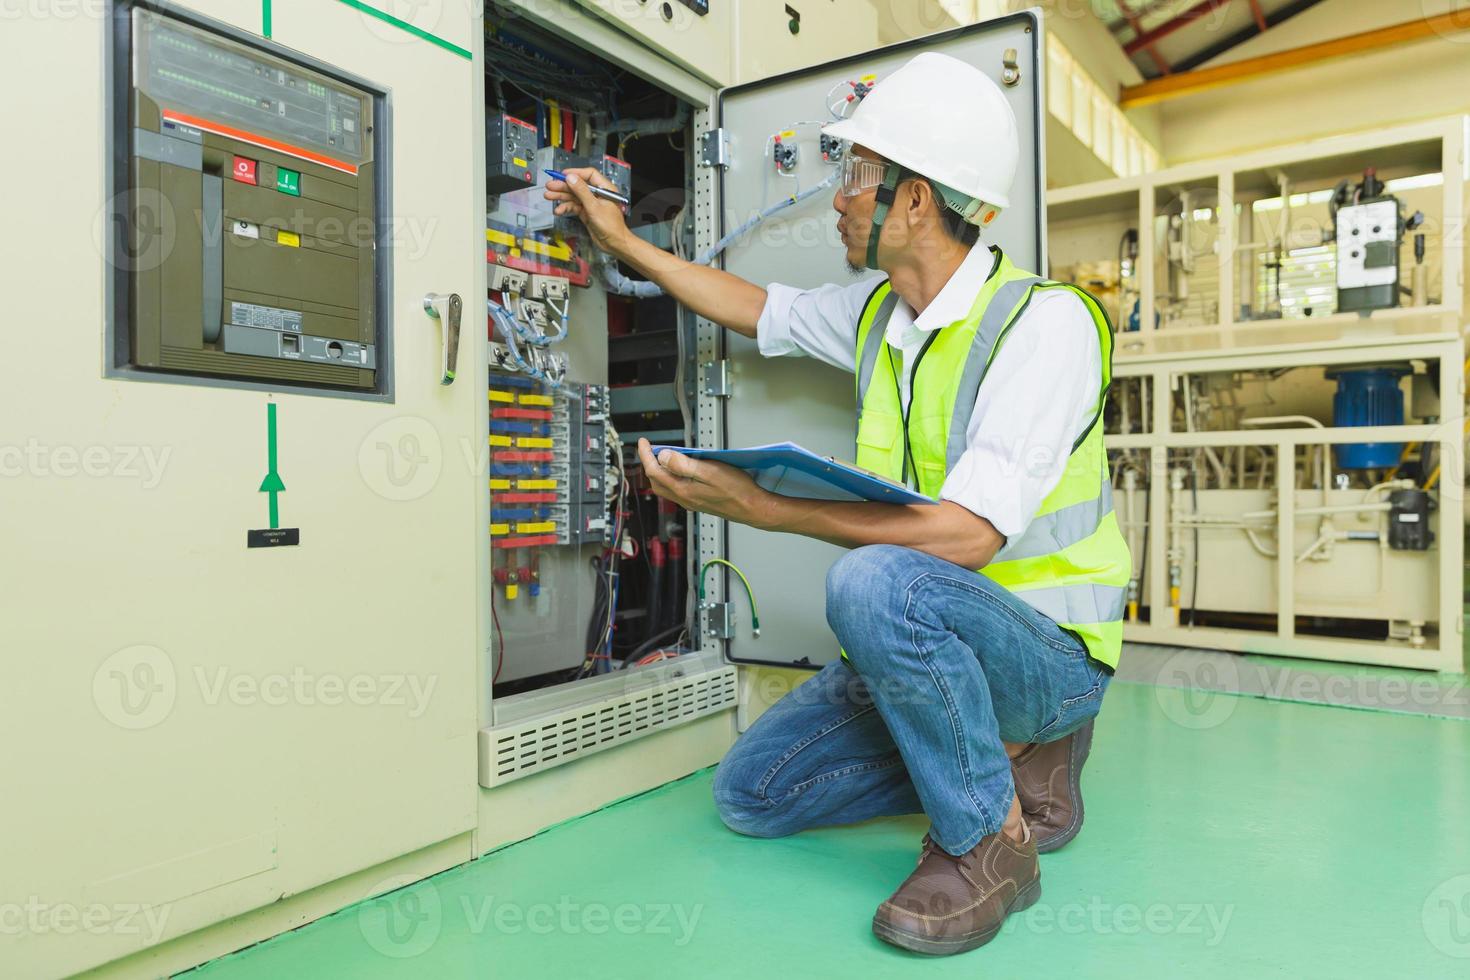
[{"x": 248, "y": 225}]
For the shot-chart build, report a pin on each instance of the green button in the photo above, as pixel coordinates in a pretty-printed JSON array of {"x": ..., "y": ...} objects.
[{"x": 288, "y": 181}]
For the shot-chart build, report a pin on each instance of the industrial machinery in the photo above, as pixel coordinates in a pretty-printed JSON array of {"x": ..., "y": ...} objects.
[{"x": 1286, "y": 432}]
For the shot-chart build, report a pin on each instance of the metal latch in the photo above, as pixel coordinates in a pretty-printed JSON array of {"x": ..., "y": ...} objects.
[
  {"x": 1010, "y": 68},
  {"x": 715, "y": 378},
  {"x": 714, "y": 148},
  {"x": 719, "y": 620}
]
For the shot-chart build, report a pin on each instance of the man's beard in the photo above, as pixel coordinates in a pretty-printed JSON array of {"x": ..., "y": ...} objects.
[{"x": 853, "y": 269}]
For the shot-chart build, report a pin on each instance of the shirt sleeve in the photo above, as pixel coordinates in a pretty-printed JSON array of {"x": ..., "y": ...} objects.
[
  {"x": 1037, "y": 399},
  {"x": 820, "y": 323}
]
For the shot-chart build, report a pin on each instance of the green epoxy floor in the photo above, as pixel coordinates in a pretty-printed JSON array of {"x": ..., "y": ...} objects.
[{"x": 1225, "y": 837}]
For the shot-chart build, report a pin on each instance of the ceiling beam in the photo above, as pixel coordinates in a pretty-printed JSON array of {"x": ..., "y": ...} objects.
[
  {"x": 1204, "y": 8},
  {"x": 1204, "y": 79},
  {"x": 1259, "y": 17},
  {"x": 1153, "y": 52},
  {"x": 1244, "y": 34}
]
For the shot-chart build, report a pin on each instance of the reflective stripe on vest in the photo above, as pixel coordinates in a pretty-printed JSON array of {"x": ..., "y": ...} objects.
[
  {"x": 1071, "y": 563},
  {"x": 868, "y": 356}
]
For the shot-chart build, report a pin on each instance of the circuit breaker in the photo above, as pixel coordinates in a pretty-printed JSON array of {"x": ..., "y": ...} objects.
[
  {"x": 250, "y": 196},
  {"x": 510, "y": 146}
]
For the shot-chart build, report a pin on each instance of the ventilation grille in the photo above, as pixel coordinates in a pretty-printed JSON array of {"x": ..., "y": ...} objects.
[{"x": 521, "y": 748}]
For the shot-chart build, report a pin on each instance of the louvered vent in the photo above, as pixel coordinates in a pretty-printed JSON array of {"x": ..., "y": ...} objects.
[{"x": 521, "y": 748}]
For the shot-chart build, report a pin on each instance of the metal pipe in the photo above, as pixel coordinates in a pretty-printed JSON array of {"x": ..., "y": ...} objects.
[
  {"x": 1130, "y": 499},
  {"x": 1176, "y": 537}
]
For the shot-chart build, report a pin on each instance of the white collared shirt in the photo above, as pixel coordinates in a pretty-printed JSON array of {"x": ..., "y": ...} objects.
[{"x": 1038, "y": 397}]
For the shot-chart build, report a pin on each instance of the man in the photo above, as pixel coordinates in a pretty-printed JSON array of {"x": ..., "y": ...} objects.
[{"x": 978, "y": 634}]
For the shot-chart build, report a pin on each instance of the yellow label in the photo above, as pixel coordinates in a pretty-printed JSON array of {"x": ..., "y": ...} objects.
[
  {"x": 535, "y": 484},
  {"x": 518, "y": 161},
  {"x": 501, "y": 441},
  {"x": 498, "y": 237},
  {"x": 559, "y": 252},
  {"x": 502, "y": 396},
  {"x": 787, "y": 134},
  {"x": 868, "y": 78},
  {"x": 533, "y": 442},
  {"x": 539, "y": 527},
  {"x": 537, "y": 400},
  {"x": 288, "y": 238},
  {"x": 499, "y": 484},
  {"x": 512, "y": 589},
  {"x": 499, "y": 529}
]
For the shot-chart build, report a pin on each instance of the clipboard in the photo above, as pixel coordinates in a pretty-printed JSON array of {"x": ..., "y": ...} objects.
[{"x": 790, "y": 470}]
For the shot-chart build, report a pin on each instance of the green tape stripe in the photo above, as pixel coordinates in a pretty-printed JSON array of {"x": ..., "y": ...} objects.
[
  {"x": 265, "y": 18},
  {"x": 406, "y": 26}
]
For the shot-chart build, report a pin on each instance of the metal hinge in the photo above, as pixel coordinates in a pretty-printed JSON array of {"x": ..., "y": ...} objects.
[
  {"x": 719, "y": 620},
  {"x": 714, "y": 378},
  {"x": 714, "y": 148}
]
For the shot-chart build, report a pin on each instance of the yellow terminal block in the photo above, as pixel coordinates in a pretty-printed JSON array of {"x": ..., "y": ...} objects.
[
  {"x": 533, "y": 442},
  {"x": 536, "y": 527},
  {"x": 546, "y": 400},
  {"x": 499, "y": 529},
  {"x": 503, "y": 441},
  {"x": 499, "y": 484},
  {"x": 502, "y": 396},
  {"x": 535, "y": 484},
  {"x": 512, "y": 589}
]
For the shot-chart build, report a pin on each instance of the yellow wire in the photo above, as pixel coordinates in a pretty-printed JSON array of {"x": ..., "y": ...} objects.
[{"x": 755, "y": 617}]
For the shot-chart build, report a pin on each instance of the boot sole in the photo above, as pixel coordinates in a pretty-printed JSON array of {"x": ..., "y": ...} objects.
[
  {"x": 1077, "y": 758},
  {"x": 931, "y": 946}
]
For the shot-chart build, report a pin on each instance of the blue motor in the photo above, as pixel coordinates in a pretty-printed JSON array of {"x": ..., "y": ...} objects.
[{"x": 1368, "y": 396}]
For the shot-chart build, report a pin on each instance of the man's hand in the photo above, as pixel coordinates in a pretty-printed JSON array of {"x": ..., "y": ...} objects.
[
  {"x": 603, "y": 219},
  {"x": 705, "y": 486}
]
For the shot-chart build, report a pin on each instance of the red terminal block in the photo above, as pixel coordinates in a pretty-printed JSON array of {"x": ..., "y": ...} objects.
[
  {"x": 656, "y": 552},
  {"x": 534, "y": 414}
]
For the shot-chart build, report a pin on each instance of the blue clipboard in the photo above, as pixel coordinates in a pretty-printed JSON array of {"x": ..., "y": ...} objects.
[{"x": 792, "y": 471}]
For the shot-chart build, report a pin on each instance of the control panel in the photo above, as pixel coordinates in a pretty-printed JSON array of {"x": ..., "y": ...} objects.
[{"x": 249, "y": 243}]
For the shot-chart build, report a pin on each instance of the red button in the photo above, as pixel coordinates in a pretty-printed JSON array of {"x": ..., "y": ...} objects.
[{"x": 244, "y": 170}]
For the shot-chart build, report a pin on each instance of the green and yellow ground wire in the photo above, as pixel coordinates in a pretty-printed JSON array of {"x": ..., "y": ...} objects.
[{"x": 755, "y": 619}]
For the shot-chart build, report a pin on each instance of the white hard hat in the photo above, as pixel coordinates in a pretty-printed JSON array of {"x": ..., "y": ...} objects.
[{"x": 949, "y": 122}]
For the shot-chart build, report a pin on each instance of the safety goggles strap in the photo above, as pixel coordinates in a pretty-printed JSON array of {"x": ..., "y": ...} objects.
[{"x": 884, "y": 198}]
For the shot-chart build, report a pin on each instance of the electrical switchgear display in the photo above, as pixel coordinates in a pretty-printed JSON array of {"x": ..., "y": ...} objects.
[{"x": 251, "y": 248}]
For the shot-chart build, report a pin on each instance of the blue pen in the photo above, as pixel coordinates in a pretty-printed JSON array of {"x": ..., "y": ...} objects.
[{"x": 606, "y": 195}]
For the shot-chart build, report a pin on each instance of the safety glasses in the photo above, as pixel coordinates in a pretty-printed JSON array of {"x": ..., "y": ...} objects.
[{"x": 859, "y": 175}]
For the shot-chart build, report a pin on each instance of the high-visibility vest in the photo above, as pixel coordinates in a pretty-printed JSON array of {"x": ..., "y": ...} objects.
[{"x": 1071, "y": 563}]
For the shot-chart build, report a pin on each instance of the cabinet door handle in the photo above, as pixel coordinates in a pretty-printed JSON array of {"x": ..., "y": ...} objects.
[{"x": 450, "y": 320}]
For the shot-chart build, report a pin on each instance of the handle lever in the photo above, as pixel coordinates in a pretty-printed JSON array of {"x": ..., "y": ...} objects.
[{"x": 451, "y": 330}]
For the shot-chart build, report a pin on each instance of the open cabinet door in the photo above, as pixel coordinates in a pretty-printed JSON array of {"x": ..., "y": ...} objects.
[{"x": 798, "y": 398}]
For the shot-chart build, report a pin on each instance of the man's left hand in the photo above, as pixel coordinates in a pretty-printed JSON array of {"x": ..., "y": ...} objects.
[{"x": 705, "y": 486}]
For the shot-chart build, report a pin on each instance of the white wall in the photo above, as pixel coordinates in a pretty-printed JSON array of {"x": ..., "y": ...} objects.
[{"x": 1394, "y": 85}]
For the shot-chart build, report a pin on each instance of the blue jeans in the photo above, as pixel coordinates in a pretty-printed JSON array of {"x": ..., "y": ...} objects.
[{"x": 944, "y": 666}]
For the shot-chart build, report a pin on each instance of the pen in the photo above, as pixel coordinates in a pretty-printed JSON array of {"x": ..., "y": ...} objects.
[{"x": 606, "y": 195}]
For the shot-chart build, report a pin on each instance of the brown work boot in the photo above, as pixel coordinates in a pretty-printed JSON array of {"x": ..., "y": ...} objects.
[
  {"x": 954, "y": 904},
  {"x": 1048, "y": 779}
]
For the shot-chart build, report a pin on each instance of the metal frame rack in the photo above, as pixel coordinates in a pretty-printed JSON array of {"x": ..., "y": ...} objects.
[{"x": 1163, "y": 357}]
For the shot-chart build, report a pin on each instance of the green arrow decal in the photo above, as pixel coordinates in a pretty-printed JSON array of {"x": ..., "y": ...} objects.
[{"x": 272, "y": 483}]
